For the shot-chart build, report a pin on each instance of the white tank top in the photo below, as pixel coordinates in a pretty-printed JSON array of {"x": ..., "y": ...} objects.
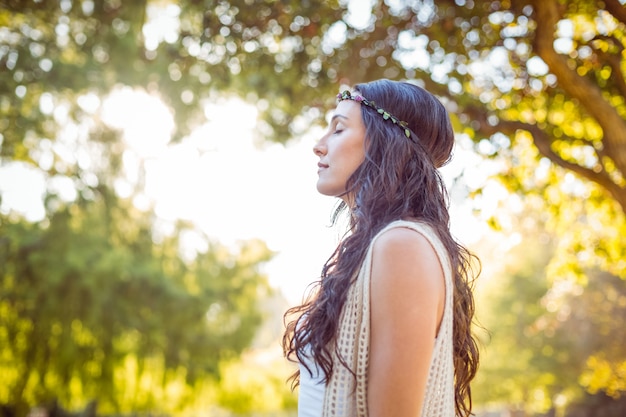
[{"x": 311, "y": 391}]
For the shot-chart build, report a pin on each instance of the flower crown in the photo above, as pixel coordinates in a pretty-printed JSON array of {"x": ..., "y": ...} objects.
[{"x": 347, "y": 95}]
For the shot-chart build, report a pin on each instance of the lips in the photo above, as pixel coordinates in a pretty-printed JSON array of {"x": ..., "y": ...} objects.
[{"x": 321, "y": 166}]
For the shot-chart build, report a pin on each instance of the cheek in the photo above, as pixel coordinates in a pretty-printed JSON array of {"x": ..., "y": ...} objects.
[
  {"x": 357, "y": 156},
  {"x": 355, "y": 163}
]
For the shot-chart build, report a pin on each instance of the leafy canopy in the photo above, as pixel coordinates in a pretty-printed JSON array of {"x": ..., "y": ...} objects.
[{"x": 552, "y": 69}]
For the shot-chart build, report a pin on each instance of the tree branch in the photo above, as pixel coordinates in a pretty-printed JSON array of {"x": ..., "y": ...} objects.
[
  {"x": 543, "y": 143},
  {"x": 590, "y": 96},
  {"x": 613, "y": 59},
  {"x": 616, "y": 9}
]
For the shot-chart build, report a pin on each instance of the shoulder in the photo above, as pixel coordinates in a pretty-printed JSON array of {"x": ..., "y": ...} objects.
[
  {"x": 404, "y": 263},
  {"x": 402, "y": 242}
]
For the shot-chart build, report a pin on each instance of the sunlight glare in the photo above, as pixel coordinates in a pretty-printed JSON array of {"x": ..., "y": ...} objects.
[
  {"x": 230, "y": 187},
  {"x": 162, "y": 24},
  {"x": 18, "y": 180},
  {"x": 359, "y": 14},
  {"x": 146, "y": 121}
]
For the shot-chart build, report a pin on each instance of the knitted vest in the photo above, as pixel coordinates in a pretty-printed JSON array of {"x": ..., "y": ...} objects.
[{"x": 346, "y": 396}]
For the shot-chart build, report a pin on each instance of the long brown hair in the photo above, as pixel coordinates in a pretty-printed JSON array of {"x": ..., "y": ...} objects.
[{"x": 397, "y": 180}]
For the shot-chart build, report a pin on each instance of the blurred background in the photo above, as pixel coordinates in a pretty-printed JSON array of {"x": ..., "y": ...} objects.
[{"x": 158, "y": 211}]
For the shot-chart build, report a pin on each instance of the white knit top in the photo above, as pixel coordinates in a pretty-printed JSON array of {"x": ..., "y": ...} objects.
[{"x": 346, "y": 396}]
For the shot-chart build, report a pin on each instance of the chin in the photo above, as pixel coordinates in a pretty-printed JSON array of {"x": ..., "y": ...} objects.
[
  {"x": 325, "y": 189},
  {"x": 322, "y": 191}
]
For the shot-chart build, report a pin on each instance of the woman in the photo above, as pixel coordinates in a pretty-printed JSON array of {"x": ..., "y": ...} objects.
[{"x": 387, "y": 330}]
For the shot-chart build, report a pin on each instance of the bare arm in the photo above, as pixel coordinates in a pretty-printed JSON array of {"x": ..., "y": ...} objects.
[{"x": 407, "y": 299}]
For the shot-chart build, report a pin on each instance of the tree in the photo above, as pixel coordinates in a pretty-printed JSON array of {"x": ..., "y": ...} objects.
[
  {"x": 510, "y": 73},
  {"x": 539, "y": 302},
  {"x": 92, "y": 308},
  {"x": 547, "y": 68},
  {"x": 95, "y": 303},
  {"x": 538, "y": 85},
  {"x": 549, "y": 342}
]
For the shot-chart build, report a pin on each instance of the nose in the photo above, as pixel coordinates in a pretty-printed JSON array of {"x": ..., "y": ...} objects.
[{"x": 320, "y": 147}]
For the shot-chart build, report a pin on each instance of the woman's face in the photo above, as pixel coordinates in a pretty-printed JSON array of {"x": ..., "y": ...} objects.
[{"x": 341, "y": 150}]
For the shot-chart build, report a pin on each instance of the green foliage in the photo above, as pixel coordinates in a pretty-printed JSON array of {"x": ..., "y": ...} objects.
[
  {"x": 92, "y": 308},
  {"x": 549, "y": 337},
  {"x": 550, "y": 70},
  {"x": 589, "y": 225},
  {"x": 515, "y": 349},
  {"x": 252, "y": 388},
  {"x": 597, "y": 405},
  {"x": 601, "y": 312},
  {"x": 536, "y": 84},
  {"x": 261, "y": 51}
]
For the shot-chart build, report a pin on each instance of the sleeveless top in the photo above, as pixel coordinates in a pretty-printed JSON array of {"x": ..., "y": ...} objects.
[
  {"x": 345, "y": 395},
  {"x": 311, "y": 389}
]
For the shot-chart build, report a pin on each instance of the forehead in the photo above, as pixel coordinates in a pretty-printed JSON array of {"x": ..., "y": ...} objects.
[{"x": 348, "y": 109}]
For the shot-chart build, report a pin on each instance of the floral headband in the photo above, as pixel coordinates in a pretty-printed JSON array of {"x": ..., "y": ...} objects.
[{"x": 347, "y": 95}]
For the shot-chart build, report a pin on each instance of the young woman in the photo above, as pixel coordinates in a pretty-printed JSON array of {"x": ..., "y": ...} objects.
[{"x": 387, "y": 330}]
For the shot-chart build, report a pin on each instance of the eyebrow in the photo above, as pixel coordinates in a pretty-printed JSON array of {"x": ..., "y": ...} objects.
[{"x": 337, "y": 116}]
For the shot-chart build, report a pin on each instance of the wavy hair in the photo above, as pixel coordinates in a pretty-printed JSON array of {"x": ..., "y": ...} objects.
[{"x": 397, "y": 180}]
